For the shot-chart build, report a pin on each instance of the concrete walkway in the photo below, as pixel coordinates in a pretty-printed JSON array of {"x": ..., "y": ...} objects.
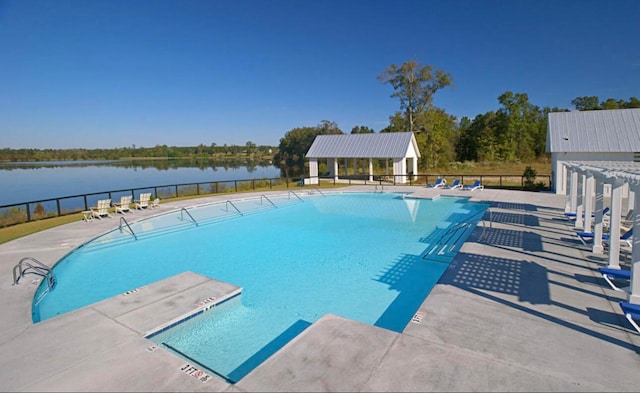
[{"x": 521, "y": 308}]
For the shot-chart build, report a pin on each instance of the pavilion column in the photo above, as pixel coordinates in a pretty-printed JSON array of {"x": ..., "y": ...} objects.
[
  {"x": 346, "y": 168},
  {"x": 313, "y": 170},
  {"x": 399, "y": 168},
  {"x": 580, "y": 188},
  {"x": 634, "y": 296},
  {"x": 370, "y": 169},
  {"x": 598, "y": 226},
  {"x": 614, "y": 229},
  {"x": 415, "y": 168},
  {"x": 334, "y": 165}
]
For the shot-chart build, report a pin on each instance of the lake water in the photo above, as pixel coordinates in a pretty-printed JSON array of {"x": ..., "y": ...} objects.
[{"x": 24, "y": 182}]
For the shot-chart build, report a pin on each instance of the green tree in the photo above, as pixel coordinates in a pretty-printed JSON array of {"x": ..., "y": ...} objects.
[
  {"x": 415, "y": 86},
  {"x": 293, "y": 147},
  {"x": 362, "y": 130},
  {"x": 586, "y": 103}
]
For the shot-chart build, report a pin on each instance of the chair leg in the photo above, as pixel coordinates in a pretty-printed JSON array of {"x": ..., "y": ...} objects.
[
  {"x": 633, "y": 323},
  {"x": 614, "y": 286}
]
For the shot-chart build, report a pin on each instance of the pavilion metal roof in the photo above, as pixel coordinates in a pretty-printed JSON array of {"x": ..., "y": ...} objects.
[
  {"x": 616, "y": 130},
  {"x": 381, "y": 145}
]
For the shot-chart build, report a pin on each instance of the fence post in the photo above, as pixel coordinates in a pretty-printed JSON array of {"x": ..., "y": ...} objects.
[{"x": 28, "y": 212}]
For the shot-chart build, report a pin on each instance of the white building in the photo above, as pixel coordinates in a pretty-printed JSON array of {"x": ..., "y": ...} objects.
[
  {"x": 600, "y": 135},
  {"x": 399, "y": 147}
]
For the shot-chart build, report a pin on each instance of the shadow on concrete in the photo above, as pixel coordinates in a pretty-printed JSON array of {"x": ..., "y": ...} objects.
[
  {"x": 525, "y": 240},
  {"x": 265, "y": 352},
  {"x": 413, "y": 278},
  {"x": 478, "y": 274},
  {"x": 513, "y": 218},
  {"x": 613, "y": 320},
  {"x": 524, "y": 279},
  {"x": 513, "y": 206}
]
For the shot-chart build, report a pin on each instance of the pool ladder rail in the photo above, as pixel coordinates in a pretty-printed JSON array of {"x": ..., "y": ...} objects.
[{"x": 30, "y": 265}]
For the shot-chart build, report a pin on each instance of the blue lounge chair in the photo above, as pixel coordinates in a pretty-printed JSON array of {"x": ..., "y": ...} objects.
[
  {"x": 440, "y": 182},
  {"x": 625, "y": 237},
  {"x": 454, "y": 185},
  {"x": 610, "y": 274},
  {"x": 475, "y": 186},
  {"x": 572, "y": 216},
  {"x": 631, "y": 312}
]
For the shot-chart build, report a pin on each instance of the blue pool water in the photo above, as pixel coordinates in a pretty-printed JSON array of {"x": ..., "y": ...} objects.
[{"x": 359, "y": 256}]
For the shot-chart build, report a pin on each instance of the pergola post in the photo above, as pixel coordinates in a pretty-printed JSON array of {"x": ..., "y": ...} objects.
[
  {"x": 588, "y": 201},
  {"x": 580, "y": 202},
  {"x": 614, "y": 231},
  {"x": 573, "y": 192},
  {"x": 598, "y": 226},
  {"x": 634, "y": 296}
]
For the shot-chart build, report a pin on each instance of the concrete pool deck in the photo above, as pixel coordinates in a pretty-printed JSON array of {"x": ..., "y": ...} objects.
[{"x": 522, "y": 307}]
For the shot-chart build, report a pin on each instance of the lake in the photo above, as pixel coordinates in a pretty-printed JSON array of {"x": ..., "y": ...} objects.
[{"x": 32, "y": 181}]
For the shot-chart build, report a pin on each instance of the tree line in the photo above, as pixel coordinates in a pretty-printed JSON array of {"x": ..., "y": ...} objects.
[
  {"x": 515, "y": 132},
  {"x": 213, "y": 151}
]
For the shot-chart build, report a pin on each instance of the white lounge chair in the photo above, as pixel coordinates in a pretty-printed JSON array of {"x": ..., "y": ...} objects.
[
  {"x": 102, "y": 209},
  {"x": 475, "y": 186},
  {"x": 439, "y": 183},
  {"x": 456, "y": 184},
  {"x": 124, "y": 206},
  {"x": 155, "y": 203},
  {"x": 143, "y": 202}
]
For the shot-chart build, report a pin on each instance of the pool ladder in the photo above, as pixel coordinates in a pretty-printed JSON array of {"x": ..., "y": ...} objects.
[{"x": 30, "y": 265}]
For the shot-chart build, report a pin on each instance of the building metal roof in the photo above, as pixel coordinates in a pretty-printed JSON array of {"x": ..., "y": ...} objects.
[
  {"x": 382, "y": 145},
  {"x": 614, "y": 131}
]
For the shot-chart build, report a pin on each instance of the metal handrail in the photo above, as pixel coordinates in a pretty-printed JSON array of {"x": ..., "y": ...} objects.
[
  {"x": 453, "y": 230},
  {"x": 234, "y": 206},
  {"x": 320, "y": 192},
  {"x": 40, "y": 269},
  {"x": 188, "y": 214},
  {"x": 122, "y": 219},
  {"x": 265, "y": 197},
  {"x": 297, "y": 196}
]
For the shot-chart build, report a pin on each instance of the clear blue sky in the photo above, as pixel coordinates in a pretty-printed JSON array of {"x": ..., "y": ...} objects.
[{"x": 104, "y": 74}]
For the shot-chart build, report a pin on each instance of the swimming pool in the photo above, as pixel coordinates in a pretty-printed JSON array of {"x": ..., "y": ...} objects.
[{"x": 359, "y": 256}]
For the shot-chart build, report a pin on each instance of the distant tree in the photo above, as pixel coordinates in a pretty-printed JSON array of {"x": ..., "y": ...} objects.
[
  {"x": 250, "y": 146},
  {"x": 633, "y": 103},
  {"x": 586, "y": 103},
  {"x": 293, "y": 147},
  {"x": 415, "y": 86},
  {"x": 362, "y": 130}
]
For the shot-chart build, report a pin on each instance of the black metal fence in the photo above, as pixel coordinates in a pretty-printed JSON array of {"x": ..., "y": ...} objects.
[{"x": 55, "y": 207}]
